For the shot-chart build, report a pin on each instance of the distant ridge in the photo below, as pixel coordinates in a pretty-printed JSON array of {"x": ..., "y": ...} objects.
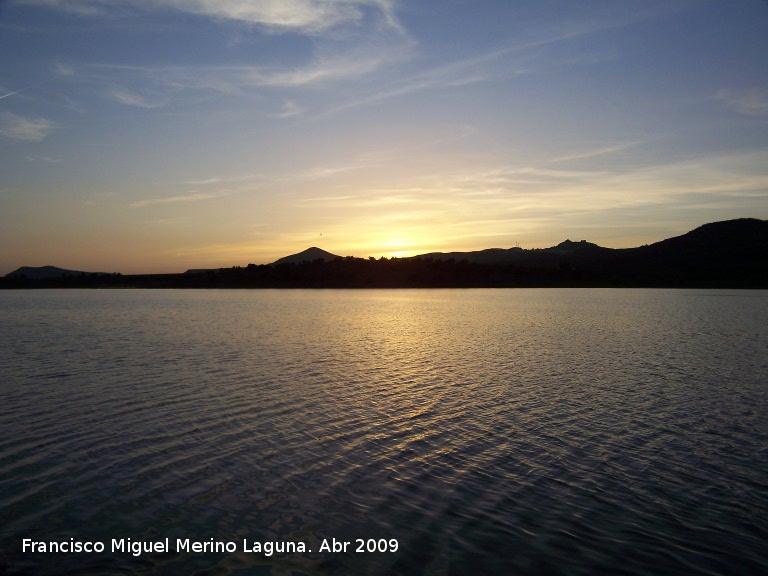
[
  {"x": 308, "y": 255},
  {"x": 738, "y": 239},
  {"x": 508, "y": 255},
  {"x": 728, "y": 254},
  {"x": 47, "y": 272}
]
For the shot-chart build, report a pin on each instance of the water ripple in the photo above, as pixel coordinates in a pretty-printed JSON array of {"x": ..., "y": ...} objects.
[{"x": 498, "y": 432}]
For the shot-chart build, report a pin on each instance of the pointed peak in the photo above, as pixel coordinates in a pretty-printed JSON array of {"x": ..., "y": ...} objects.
[{"x": 308, "y": 255}]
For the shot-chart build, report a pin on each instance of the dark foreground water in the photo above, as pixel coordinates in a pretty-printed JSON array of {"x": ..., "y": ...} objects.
[{"x": 461, "y": 431}]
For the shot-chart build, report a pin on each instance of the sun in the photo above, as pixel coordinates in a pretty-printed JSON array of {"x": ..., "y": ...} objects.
[{"x": 399, "y": 247}]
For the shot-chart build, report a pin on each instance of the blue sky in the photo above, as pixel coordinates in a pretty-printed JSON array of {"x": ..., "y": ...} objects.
[{"x": 162, "y": 135}]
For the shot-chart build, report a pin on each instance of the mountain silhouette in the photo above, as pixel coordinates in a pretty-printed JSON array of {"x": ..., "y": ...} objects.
[
  {"x": 46, "y": 272},
  {"x": 308, "y": 255},
  {"x": 729, "y": 254},
  {"x": 719, "y": 250}
]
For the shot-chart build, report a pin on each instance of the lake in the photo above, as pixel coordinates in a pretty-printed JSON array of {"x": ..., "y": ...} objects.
[{"x": 435, "y": 432}]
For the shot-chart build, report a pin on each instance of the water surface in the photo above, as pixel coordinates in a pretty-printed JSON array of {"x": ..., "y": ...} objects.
[{"x": 488, "y": 431}]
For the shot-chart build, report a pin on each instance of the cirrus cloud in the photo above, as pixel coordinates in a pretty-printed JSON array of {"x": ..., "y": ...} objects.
[
  {"x": 752, "y": 102},
  {"x": 194, "y": 196},
  {"x": 25, "y": 128},
  {"x": 304, "y": 16}
]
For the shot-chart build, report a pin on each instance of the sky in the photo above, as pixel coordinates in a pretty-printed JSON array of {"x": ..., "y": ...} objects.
[{"x": 142, "y": 136}]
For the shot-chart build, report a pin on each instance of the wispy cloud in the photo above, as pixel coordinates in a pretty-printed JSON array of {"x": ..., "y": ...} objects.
[
  {"x": 230, "y": 79},
  {"x": 304, "y": 16},
  {"x": 729, "y": 175},
  {"x": 502, "y": 63},
  {"x": 24, "y": 128},
  {"x": 163, "y": 221},
  {"x": 7, "y": 94},
  {"x": 219, "y": 180},
  {"x": 43, "y": 159},
  {"x": 237, "y": 80},
  {"x": 288, "y": 109},
  {"x": 371, "y": 37},
  {"x": 594, "y": 152},
  {"x": 457, "y": 73},
  {"x": 496, "y": 200},
  {"x": 79, "y": 7},
  {"x": 308, "y": 16},
  {"x": 333, "y": 199},
  {"x": 191, "y": 197},
  {"x": 63, "y": 70},
  {"x": 324, "y": 172},
  {"x": 24, "y": 89},
  {"x": 337, "y": 67},
  {"x": 752, "y": 102},
  {"x": 133, "y": 99}
]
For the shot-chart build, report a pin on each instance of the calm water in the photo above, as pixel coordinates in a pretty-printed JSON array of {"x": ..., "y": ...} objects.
[{"x": 487, "y": 431}]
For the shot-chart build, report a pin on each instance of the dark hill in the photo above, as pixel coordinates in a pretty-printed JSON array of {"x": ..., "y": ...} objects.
[
  {"x": 308, "y": 255},
  {"x": 516, "y": 255},
  {"x": 732, "y": 253},
  {"x": 740, "y": 236},
  {"x": 46, "y": 272}
]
